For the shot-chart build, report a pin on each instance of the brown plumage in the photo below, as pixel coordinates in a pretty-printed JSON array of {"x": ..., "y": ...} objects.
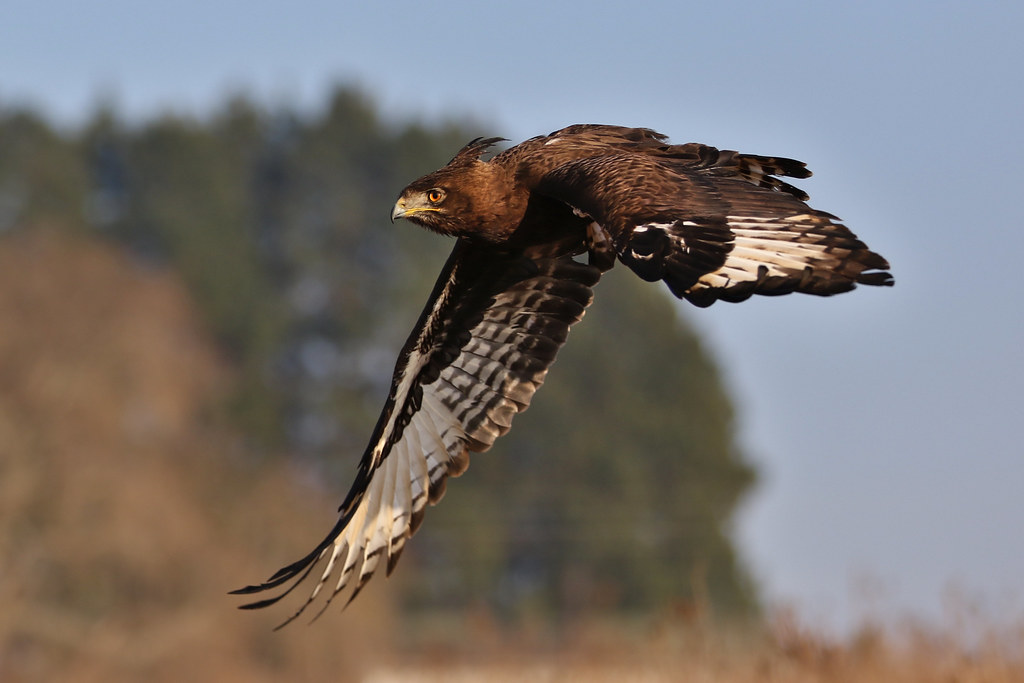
[{"x": 711, "y": 224}]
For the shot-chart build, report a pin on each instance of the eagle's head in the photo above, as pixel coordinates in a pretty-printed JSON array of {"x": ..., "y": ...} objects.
[
  {"x": 466, "y": 198},
  {"x": 439, "y": 202}
]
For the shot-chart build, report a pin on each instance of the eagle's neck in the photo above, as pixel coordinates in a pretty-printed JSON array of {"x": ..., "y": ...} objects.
[{"x": 497, "y": 202}]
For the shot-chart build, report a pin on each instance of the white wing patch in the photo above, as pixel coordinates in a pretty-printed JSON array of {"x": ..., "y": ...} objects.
[{"x": 777, "y": 247}]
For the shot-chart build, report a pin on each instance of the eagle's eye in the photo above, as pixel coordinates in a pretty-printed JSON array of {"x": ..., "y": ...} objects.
[{"x": 435, "y": 196}]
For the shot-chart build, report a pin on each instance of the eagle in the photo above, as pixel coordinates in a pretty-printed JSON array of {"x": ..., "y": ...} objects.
[{"x": 536, "y": 225}]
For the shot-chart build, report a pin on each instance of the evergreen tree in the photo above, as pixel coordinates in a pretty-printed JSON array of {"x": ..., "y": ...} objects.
[{"x": 613, "y": 492}]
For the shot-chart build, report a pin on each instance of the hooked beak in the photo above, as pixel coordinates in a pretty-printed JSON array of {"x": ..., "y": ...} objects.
[
  {"x": 404, "y": 210},
  {"x": 399, "y": 211}
]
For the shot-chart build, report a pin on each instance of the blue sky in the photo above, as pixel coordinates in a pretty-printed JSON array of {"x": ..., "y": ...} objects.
[{"x": 885, "y": 422}]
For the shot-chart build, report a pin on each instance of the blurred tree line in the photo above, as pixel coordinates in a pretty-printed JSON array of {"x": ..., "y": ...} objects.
[{"x": 613, "y": 493}]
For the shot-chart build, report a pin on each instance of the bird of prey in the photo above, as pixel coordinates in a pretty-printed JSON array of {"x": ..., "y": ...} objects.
[{"x": 535, "y": 226}]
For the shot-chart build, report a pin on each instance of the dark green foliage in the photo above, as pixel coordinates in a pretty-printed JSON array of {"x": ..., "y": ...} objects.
[
  {"x": 613, "y": 492},
  {"x": 43, "y": 177}
]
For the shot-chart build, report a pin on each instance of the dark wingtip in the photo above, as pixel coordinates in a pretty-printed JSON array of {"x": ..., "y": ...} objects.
[
  {"x": 260, "y": 604},
  {"x": 393, "y": 560},
  {"x": 883, "y": 279},
  {"x": 290, "y": 619}
]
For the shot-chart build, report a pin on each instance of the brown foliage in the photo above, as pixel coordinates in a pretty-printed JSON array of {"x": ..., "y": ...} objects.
[{"x": 126, "y": 513}]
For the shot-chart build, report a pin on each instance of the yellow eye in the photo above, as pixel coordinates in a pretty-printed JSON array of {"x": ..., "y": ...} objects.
[{"x": 435, "y": 196}]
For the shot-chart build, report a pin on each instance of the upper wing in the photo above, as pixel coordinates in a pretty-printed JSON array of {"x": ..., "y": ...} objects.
[
  {"x": 713, "y": 225},
  {"x": 481, "y": 348}
]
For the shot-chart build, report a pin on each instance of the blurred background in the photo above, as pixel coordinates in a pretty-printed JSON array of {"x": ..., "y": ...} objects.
[{"x": 201, "y": 301}]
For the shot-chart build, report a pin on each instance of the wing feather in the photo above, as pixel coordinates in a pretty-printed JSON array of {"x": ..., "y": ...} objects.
[
  {"x": 481, "y": 348},
  {"x": 402, "y": 500},
  {"x": 715, "y": 225}
]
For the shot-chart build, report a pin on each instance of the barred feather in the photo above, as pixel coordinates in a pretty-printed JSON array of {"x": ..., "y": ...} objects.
[{"x": 517, "y": 312}]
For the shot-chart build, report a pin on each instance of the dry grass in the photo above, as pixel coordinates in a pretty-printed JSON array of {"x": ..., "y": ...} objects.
[
  {"x": 127, "y": 512},
  {"x": 676, "y": 649}
]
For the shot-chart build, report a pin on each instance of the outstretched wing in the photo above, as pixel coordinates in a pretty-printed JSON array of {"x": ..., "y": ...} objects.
[
  {"x": 480, "y": 350},
  {"x": 712, "y": 224}
]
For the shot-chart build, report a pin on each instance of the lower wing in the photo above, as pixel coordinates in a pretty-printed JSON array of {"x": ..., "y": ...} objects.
[{"x": 481, "y": 348}]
